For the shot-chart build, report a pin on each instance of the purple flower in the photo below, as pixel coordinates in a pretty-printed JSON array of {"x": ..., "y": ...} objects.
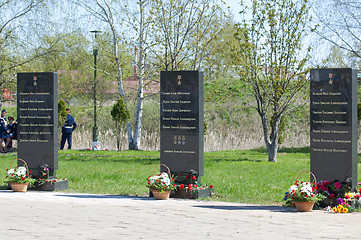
[{"x": 339, "y": 201}]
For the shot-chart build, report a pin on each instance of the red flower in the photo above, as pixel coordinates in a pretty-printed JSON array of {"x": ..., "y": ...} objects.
[
  {"x": 194, "y": 185},
  {"x": 173, "y": 185},
  {"x": 22, "y": 178},
  {"x": 190, "y": 186},
  {"x": 194, "y": 177},
  {"x": 27, "y": 175},
  {"x": 7, "y": 169},
  {"x": 187, "y": 177},
  {"x": 301, "y": 193},
  {"x": 181, "y": 186},
  {"x": 326, "y": 183},
  {"x": 210, "y": 186},
  {"x": 337, "y": 185},
  {"x": 30, "y": 171},
  {"x": 293, "y": 197}
]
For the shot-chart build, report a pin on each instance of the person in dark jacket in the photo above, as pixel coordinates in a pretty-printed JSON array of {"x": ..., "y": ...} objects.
[
  {"x": 12, "y": 130},
  {"x": 67, "y": 130},
  {"x": 4, "y": 132}
]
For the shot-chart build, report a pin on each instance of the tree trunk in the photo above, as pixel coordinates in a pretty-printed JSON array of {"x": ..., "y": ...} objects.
[
  {"x": 140, "y": 97},
  {"x": 118, "y": 135},
  {"x": 138, "y": 116},
  {"x": 271, "y": 140}
]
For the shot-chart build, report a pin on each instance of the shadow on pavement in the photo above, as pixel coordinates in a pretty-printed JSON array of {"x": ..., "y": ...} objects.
[
  {"x": 250, "y": 207},
  {"x": 89, "y": 196}
]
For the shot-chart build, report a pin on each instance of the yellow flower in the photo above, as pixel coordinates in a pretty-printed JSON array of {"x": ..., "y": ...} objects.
[
  {"x": 345, "y": 210},
  {"x": 334, "y": 209},
  {"x": 339, "y": 210}
]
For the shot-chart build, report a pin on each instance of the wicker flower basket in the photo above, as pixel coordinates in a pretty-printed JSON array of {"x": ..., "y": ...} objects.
[
  {"x": 19, "y": 187},
  {"x": 304, "y": 206},
  {"x": 161, "y": 195},
  {"x": 158, "y": 195}
]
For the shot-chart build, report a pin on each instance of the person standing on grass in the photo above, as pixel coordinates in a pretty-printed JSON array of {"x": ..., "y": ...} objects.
[
  {"x": 4, "y": 135},
  {"x": 12, "y": 130},
  {"x": 67, "y": 130}
]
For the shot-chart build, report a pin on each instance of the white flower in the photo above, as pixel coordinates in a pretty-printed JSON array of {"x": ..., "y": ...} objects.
[
  {"x": 293, "y": 187},
  {"x": 21, "y": 171},
  {"x": 166, "y": 181},
  {"x": 11, "y": 171},
  {"x": 164, "y": 175}
]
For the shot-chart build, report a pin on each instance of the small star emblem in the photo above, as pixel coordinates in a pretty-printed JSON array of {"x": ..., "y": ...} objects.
[
  {"x": 179, "y": 80},
  {"x": 330, "y": 82}
]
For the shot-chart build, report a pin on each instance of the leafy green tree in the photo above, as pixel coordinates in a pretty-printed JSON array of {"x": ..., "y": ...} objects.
[
  {"x": 71, "y": 58},
  {"x": 269, "y": 60},
  {"x": 120, "y": 115},
  {"x": 61, "y": 113}
]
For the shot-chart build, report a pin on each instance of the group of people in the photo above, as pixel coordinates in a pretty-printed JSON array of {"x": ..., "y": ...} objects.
[{"x": 8, "y": 130}]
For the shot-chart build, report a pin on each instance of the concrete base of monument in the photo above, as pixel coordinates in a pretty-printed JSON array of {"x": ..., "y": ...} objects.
[
  {"x": 58, "y": 185},
  {"x": 193, "y": 194}
]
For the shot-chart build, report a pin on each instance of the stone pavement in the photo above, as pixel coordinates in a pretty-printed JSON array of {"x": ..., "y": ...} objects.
[{"x": 58, "y": 215}]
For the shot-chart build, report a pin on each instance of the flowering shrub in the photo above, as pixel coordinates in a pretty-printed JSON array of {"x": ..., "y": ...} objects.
[
  {"x": 161, "y": 182},
  {"x": 18, "y": 175},
  {"x": 333, "y": 190},
  {"x": 342, "y": 207},
  {"x": 302, "y": 192}
]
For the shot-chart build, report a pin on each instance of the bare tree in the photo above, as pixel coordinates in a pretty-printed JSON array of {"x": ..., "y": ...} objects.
[
  {"x": 13, "y": 11},
  {"x": 340, "y": 23},
  {"x": 182, "y": 31}
]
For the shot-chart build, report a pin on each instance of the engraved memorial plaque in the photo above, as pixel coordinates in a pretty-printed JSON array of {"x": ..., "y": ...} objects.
[
  {"x": 181, "y": 113},
  {"x": 37, "y": 108},
  {"x": 333, "y": 124}
]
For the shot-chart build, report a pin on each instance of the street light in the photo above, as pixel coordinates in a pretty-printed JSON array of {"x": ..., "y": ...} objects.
[{"x": 95, "y": 53}]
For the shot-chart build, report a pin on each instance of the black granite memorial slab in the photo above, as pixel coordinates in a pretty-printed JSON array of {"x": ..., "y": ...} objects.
[
  {"x": 333, "y": 124},
  {"x": 181, "y": 113},
  {"x": 37, "y": 109}
]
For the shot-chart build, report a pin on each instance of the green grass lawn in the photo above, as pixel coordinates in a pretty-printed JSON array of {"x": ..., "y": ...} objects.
[{"x": 238, "y": 176}]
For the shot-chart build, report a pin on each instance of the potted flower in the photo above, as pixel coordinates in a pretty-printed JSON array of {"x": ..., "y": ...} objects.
[
  {"x": 161, "y": 185},
  {"x": 303, "y": 195},
  {"x": 19, "y": 178}
]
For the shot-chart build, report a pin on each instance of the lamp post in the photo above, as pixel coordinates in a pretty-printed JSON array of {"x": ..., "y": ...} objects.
[{"x": 95, "y": 53}]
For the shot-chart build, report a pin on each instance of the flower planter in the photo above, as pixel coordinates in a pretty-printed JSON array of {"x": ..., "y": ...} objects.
[
  {"x": 161, "y": 195},
  {"x": 304, "y": 206},
  {"x": 19, "y": 187}
]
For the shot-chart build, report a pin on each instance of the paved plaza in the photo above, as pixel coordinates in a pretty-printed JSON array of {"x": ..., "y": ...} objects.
[{"x": 58, "y": 215}]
